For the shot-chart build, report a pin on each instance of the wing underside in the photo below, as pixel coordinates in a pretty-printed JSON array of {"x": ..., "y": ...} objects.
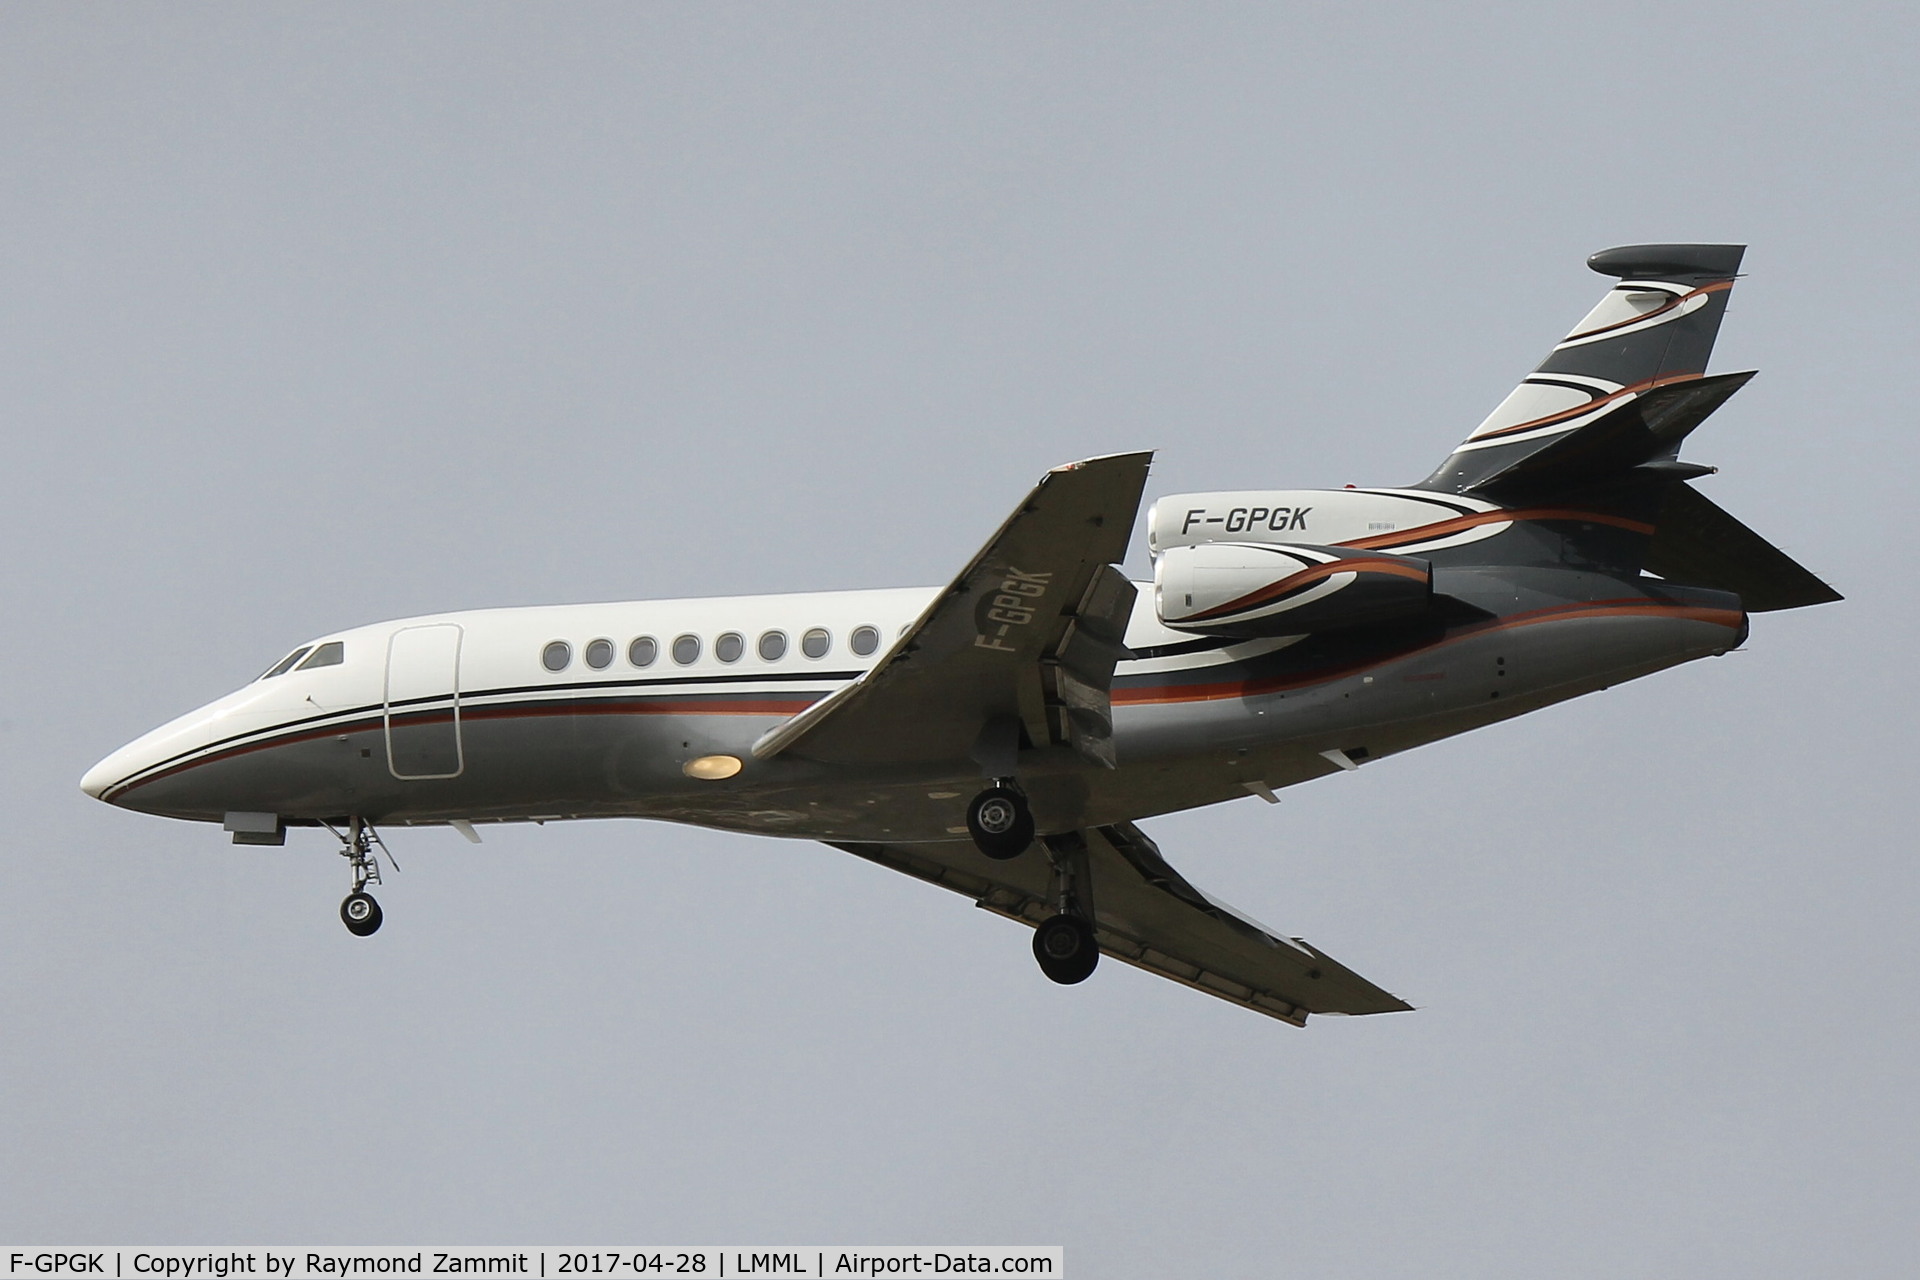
[{"x": 1147, "y": 914}]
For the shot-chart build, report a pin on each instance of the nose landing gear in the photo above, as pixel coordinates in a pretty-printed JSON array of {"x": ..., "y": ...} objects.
[{"x": 359, "y": 912}]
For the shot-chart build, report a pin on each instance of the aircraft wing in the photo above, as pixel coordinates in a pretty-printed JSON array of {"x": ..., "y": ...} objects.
[
  {"x": 1021, "y": 645},
  {"x": 1148, "y": 914}
]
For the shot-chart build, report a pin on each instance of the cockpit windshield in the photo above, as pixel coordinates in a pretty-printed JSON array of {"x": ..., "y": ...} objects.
[
  {"x": 330, "y": 654},
  {"x": 286, "y": 664}
]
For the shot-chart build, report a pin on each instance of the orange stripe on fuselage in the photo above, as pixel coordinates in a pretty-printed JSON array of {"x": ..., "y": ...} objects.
[{"x": 1164, "y": 694}]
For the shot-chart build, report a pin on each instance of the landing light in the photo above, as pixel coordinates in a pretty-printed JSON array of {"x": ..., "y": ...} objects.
[{"x": 711, "y": 768}]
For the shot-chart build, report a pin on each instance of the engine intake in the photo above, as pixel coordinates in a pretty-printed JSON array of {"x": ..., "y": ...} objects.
[{"x": 1271, "y": 589}]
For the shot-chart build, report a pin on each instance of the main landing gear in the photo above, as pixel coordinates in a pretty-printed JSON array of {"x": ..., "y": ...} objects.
[
  {"x": 359, "y": 912},
  {"x": 1064, "y": 943},
  {"x": 1000, "y": 822},
  {"x": 1065, "y": 947}
]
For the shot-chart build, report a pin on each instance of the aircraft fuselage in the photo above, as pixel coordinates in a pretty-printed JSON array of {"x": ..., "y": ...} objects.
[{"x": 458, "y": 717}]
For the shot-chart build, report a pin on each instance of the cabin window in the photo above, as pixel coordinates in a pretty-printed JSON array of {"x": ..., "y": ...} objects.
[
  {"x": 686, "y": 650},
  {"x": 599, "y": 654},
  {"x": 773, "y": 646},
  {"x": 330, "y": 654},
  {"x": 864, "y": 640},
  {"x": 729, "y": 647},
  {"x": 816, "y": 643},
  {"x": 285, "y": 664},
  {"x": 556, "y": 655},
  {"x": 643, "y": 651}
]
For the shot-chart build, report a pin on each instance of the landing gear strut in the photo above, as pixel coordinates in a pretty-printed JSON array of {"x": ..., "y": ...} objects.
[
  {"x": 1064, "y": 943},
  {"x": 1000, "y": 822},
  {"x": 359, "y": 912}
]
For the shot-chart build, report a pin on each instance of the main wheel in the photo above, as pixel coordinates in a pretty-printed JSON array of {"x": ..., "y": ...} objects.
[
  {"x": 360, "y": 913},
  {"x": 1000, "y": 823},
  {"x": 1065, "y": 947}
]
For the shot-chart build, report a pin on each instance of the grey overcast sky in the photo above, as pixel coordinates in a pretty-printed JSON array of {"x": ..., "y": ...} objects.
[{"x": 317, "y": 315}]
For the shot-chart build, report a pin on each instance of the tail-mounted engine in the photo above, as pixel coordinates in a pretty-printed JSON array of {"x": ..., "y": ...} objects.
[
  {"x": 1224, "y": 563},
  {"x": 1275, "y": 589}
]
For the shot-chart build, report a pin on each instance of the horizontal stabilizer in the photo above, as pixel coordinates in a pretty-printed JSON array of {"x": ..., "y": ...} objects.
[
  {"x": 1692, "y": 263},
  {"x": 1698, "y": 544},
  {"x": 1645, "y": 428}
]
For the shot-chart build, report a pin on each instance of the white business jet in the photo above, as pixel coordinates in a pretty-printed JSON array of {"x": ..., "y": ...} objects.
[{"x": 1002, "y": 736}]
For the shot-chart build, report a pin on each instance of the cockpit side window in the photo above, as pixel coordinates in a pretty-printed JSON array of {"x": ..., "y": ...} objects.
[
  {"x": 286, "y": 664},
  {"x": 330, "y": 654}
]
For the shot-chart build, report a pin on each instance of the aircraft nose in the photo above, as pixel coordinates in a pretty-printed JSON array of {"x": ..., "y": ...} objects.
[
  {"x": 155, "y": 773},
  {"x": 102, "y": 776}
]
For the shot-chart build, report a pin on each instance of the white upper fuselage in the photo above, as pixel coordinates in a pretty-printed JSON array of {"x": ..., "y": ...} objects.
[{"x": 501, "y": 656}]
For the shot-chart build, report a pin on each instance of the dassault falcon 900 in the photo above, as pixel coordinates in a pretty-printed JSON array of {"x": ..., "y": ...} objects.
[{"x": 1002, "y": 736}]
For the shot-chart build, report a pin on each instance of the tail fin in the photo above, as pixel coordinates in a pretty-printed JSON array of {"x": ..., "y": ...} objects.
[
  {"x": 1618, "y": 385},
  {"x": 1597, "y": 428}
]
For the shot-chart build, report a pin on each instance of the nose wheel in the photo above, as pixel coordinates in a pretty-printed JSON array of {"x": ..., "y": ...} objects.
[
  {"x": 1000, "y": 822},
  {"x": 358, "y": 911}
]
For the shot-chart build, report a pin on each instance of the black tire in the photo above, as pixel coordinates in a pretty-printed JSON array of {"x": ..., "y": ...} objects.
[
  {"x": 361, "y": 914},
  {"x": 1000, "y": 823},
  {"x": 1066, "y": 949}
]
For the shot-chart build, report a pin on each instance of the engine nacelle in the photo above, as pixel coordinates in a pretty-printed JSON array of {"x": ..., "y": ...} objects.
[
  {"x": 1273, "y": 589},
  {"x": 1403, "y": 521}
]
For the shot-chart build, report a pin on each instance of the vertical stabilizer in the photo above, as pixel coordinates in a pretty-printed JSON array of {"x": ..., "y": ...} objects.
[{"x": 1653, "y": 330}]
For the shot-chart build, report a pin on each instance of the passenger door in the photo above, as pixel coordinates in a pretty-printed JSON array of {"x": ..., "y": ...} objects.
[{"x": 423, "y": 702}]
